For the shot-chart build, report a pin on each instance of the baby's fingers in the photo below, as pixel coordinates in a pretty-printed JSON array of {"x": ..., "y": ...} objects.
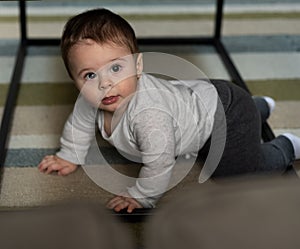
[
  {"x": 131, "y": 207},
  {"x": 45, "y": 162},
  {"x": 50, "y": 164},
  {"x": 54, "y": 166},
  {"x": 67, "y": 170},
  {"x": 133, "y": 204},
  {"x": 114, "y": 202},
  {"x": 120, "y": 206}
]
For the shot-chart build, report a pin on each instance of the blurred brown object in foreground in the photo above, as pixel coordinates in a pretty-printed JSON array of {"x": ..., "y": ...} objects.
[
  {"x": 73, "y": 225},
  {"x": 242, "y": 213}
]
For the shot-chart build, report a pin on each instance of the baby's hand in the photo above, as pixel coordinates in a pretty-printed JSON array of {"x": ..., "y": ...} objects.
[
  {"x": 54, "y": 163},
  {"x": 120, "y": 202}
]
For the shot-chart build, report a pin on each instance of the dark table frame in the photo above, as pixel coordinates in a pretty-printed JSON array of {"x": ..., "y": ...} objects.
[{"x": 25, "y": 42}]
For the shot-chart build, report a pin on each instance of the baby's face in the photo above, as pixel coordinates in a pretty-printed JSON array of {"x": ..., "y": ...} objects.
[{"x": 105, "y": 74}]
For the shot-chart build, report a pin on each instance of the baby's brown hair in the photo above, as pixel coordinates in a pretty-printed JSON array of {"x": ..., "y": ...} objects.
[{"x": 100, "y": 25}]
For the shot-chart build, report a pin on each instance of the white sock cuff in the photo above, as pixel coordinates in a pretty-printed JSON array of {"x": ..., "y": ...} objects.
[
  {"x": 295, "y": 140},
  {"x": 270, "y": 102}
]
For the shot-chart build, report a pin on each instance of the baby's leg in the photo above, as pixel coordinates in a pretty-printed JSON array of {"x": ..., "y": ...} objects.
[
  {"x": 281, "y": 151},
  {"x": 243, "y": 152},
  {"x": 277, "y": 154},
  {"x": 265, "y": 105},
  {"x": 295, "y": 141},
  {"x": 242, "y": 148}
]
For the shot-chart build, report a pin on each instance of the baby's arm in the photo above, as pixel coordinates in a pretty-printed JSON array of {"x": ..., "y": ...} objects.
[
  {"x": 75, "y": 141},
  {"x": 155, "y": 136},
  {"x": 54, "y": 163}
]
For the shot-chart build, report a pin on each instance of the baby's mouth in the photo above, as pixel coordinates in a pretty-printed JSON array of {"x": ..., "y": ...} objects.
[{"x": 110, "y": 100}]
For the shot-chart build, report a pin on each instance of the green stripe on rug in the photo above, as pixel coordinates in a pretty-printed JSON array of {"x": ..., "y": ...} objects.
[
  {"x": 279, "y": 89},
  {"x": 43, "y": 94},
  {"x": 3, "y": 93},
  {"x": 66, "y": 93},
  {"x": 160, "y": 17}
]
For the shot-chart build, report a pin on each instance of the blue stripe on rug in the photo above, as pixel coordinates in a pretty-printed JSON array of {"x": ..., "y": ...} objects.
[
  {"x": 32, "y": 157},
  {"x": 95, "y": 3},
  {"x": 234, "y": 44}
]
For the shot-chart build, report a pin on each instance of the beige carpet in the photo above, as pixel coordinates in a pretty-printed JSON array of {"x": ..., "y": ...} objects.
[{"x": 27, "y": 187}]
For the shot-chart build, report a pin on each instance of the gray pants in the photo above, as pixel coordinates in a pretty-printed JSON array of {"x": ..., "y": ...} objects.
[{"x": 244, "y": 152}]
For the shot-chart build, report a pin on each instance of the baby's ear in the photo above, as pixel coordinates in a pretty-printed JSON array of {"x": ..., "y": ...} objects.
[{"x": 139, "y": 64}]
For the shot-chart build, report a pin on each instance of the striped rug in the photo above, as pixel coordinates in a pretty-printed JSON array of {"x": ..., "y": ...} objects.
[{"x": 264, "y": 46}]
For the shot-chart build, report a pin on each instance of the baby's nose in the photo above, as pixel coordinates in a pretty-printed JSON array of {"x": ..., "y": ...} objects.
[{"x": 105, "y": 83}]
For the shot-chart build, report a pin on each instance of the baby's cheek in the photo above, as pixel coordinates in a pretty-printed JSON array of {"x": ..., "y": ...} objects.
[{"x": 92, "y": 94}]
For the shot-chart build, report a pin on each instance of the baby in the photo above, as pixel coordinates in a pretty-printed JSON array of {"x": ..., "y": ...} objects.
[{"x": 154, "y": 119}]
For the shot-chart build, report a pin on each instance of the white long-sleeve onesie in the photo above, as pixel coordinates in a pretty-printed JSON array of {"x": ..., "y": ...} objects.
[{"x": 164, "y": 119}]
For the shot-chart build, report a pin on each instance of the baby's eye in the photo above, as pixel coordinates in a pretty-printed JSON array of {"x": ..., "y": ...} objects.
[
  {"x": 115, "y": 68},
  {"x": 90, "y": 76}
]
